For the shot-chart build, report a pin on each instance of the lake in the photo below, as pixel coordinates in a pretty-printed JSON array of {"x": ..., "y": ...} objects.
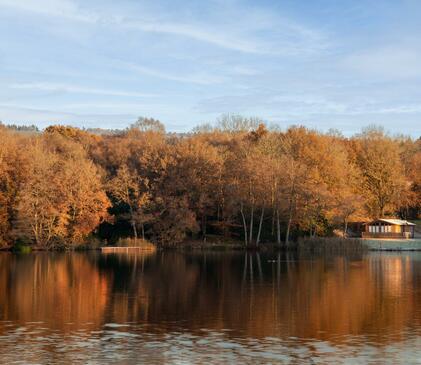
[{"x": 210, "y": 308}]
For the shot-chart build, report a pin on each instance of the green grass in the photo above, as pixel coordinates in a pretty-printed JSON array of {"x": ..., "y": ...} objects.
[{"x": 21, "y": 248}]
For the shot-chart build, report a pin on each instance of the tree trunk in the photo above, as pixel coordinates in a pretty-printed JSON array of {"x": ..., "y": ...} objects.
[
  {"x": 288, "y": 229},
  {"x": 251, "y": 224},
  {"x": 134, "y": 229},
  {"x": 143, "y": 231},
  {"x": 204, "y": 225},
  {"x": 273, "y": 223},
  {"x": 289, "y": 220},
  {"x": 244, "y": 224},
  {"x": 260, "y": 226},
  {"x": 272, "y": 202},
  {"x": 345, "y": 228},
  {"x": 278, "y": 228},
  {"x": 381, "y": 207},
  {"x": 133, "y": 222}
]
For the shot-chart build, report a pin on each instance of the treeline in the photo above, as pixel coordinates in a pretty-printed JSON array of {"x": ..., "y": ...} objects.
[{"x": 67, "y": 186}]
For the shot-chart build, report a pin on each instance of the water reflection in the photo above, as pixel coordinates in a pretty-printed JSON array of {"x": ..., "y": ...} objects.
[{"x": 282, "y": 306}]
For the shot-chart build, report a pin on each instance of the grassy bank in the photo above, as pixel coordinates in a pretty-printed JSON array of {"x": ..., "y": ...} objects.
[{"x": 309, "y": 245}]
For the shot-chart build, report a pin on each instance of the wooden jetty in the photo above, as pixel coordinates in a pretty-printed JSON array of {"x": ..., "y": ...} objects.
[{"x": 129, "y": 249}]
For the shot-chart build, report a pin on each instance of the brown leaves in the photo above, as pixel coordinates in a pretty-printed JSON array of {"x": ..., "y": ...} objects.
[
  {"x": 383, "y": 178},
  {"x": 231, "y": 179},
  {"x": 61, "y": 200}
]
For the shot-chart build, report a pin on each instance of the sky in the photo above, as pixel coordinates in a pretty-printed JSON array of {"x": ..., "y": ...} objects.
[{"x": 319, "y": 63}]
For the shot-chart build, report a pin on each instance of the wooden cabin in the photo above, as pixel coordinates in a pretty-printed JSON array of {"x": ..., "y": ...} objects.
[{"x": 389, "y": 228}]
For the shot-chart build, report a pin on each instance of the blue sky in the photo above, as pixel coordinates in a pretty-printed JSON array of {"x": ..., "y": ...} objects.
[{"x": 324, "y": 64}]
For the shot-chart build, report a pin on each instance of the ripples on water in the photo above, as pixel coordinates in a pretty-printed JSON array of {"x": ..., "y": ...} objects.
[{"x": 206, "y": 308}]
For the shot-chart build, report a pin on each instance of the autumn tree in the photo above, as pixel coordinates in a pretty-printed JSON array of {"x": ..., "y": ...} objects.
[
  {"x": 295, "y": 174},
  {"x": 61, "y": 201},
  {"x": 130, "y": 189},
  {"x": 196, "y": 173},
  {"x": 236, "y": 178},
  {"x": 235, "y": 123},
  {"x": 377, "y": 156},
  {"x": 148, "y": 125},
  {"x": 410, "y": 156},
  {"x": 247, "y": 176},
  {"x": 415, "y": 177},
  {"x": 12, "y": 171}
]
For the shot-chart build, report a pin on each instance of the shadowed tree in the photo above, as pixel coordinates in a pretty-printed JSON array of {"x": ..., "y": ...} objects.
[{"x": 126, "y": 188}]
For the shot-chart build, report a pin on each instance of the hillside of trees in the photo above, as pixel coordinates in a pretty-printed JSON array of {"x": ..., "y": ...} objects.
[{"x": 64, "y": 186}]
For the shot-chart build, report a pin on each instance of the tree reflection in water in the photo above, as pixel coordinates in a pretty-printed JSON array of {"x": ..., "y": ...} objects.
[{"x": 338, "y": 299}]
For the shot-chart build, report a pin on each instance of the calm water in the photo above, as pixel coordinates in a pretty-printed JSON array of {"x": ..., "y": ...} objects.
[{"x": 209, "y": 308}]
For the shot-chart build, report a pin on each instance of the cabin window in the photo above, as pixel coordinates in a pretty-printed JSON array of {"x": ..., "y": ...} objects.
[{"x": 375, "y": 228}]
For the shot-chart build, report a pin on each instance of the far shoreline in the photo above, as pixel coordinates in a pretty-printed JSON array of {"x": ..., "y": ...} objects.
[{"x": 304, "y": 244}]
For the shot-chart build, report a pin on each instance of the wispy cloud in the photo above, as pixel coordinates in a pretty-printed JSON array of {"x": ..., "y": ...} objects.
[
  {"x": 303, "y": 106},
  {"x": 238, "y": 33},
  {"x": 46, "y": 86},
  {"x": 247, "y": 33},
  {"x": 44, "y": 117},
  {"x": 70, "y": 10},
  {"x": 245, "y": 70},
  {"x": 57, "y": 8},
  {"x": 381, "y": 109},
  {"x": 184, "y": 60},
  {"x": 198, "y": 78},
  {"x": 215, "y": 37},
  {"x": 391, "y": 62},
  {"x": 297, "y": 105}
]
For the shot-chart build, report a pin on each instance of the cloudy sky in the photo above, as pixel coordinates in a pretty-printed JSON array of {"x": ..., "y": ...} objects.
[{"x": 324, "y": 64}]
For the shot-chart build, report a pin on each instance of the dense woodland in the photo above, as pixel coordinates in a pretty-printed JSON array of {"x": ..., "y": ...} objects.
[{"x": 237, "y": 180}]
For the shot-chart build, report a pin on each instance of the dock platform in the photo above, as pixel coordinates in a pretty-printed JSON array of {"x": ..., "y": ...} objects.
[{"x": 133, "y": 249}]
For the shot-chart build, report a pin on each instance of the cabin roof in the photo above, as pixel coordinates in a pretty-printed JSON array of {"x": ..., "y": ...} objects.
[{"x": 395, "y": 222}]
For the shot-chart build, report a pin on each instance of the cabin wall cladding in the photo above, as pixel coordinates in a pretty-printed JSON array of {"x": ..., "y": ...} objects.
[{"x": 389, "y": 228}]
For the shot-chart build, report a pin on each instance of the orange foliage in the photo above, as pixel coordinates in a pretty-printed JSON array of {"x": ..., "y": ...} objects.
[{"x": 239, "y": 179}]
